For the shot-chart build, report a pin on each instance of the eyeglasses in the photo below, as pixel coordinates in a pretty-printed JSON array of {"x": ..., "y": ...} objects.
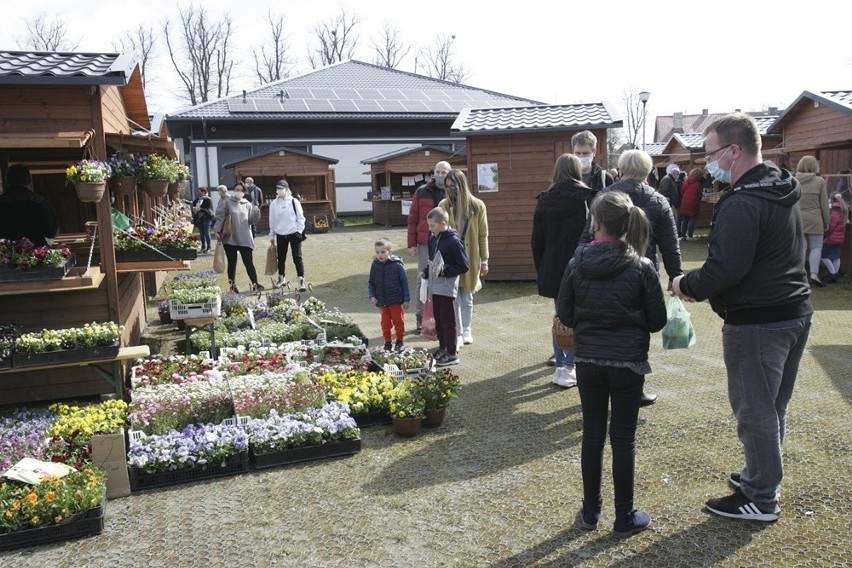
[{"x": 709, "y": 154}]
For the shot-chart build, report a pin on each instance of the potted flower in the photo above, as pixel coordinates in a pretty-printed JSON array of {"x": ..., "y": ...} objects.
[
  {"x": 164, "y": 311},
  {"x": 437, "y": 390},
  {"x": 8, "y": 338},
  {"x": 89, "y": 178},
  {"x": 91, "y": 341},
  {"x": 182, "y": 181},
  {"x": 155, "y": 173},
  {"x": 149, "y": 243},
  {"x": 407, "y": 408},
  {"x": 22, "y": 260},
  {"x": 125, "y": 169}
]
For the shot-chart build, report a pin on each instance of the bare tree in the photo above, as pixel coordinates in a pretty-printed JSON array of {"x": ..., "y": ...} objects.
[
  {"x": 438, "y": 61},
  {"x": 140, "y": 41},
  {"x": 336, "y": 40},
  {"x": 202, "y": 47},
  {"x": 634, "y": 118},
  {"x": 273, "y": 63},
  {"x": 389, "y": 49},
  {"x": 615, "y": 140},
  {"x": 45, "y": 34}
]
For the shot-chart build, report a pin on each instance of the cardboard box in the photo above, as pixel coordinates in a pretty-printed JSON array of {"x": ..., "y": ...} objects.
[{"x": 109, "y": 452}]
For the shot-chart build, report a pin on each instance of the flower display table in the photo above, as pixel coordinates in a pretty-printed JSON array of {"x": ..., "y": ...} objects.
[
  {"x": 38, "y": 272},
  {"x": 20, "y": 360},
  {"x": 148, "y": 255},
  {"x": 306, "y": 453},
  {"x": 88, "y": 523}
]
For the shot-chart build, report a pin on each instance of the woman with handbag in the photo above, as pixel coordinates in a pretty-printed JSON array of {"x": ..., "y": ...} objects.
[
  {"x": 287, "y": 228},
  {"x": 202, "y": 217},
  {"x": 234, "y": 217}
]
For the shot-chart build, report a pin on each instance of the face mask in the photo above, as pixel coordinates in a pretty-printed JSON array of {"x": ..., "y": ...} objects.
[
  {"x": 586, "y": 162},
  {"x": 239, "y": 194},
  {"x": 452, "y": 193},
  {"x": 439, "y": 180},
  {"x": 716, "y": 171},
  {"x": 281, "y": 192}
]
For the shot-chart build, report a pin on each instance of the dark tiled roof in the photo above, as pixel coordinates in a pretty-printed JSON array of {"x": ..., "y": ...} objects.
[
  {"x": 838, "y": 100},
  {"x": 691, "y": 141},
  {"x": 535, "y": 118},
  {"x": 409, "y": 150},
  {"x": 655, "y": 148},
  {"x": 696, "y": 123},
  {"x": 350, "y": 90},
  {"x": 54, "y": 68},
  {"x": 275, "y": 151}
]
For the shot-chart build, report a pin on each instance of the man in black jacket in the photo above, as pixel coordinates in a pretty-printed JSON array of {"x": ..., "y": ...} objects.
[
  {"x": 22, "y": 212},
  {"x": 755, "y": 279},
  {"x": 584, "y": 145}
]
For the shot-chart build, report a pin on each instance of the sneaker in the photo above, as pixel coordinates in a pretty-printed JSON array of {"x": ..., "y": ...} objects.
[
  {"x": 563, "y": 378},
  {"x": 738, "y": 506},
  {"x": 301, "y": 287},
  {"x": 552, "y": 361},
  {"x": 630, "y": 523},
  {"x": 448, "y": 360},
  {"x": 388, "y": 346},
  {"x": 467, "y": 336},
  {"x": 399, "y": 345},
  {"x": 734, "y": 479},
  {"x": 590, "y": 514},
  {"x": 459, "y": 342},
  {"x": 280, "y": 283}
]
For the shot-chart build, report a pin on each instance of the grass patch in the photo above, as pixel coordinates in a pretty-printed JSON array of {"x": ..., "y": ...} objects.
[{"x": 356, "y": 220}]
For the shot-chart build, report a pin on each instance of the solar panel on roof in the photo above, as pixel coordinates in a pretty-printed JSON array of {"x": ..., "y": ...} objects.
[
  {"x": 315, "y": 105},
  {"x": 392, "y": 106},
  {"x": 237, "y": 105},
  {"x": 298, "y": 93},
  {"x": 347, "y": 94},
  {"x": 391, "y": 94},
  {"x": 324, "y": 93},
  {"x": 343, "y": 106},
  {"x": 414, "y": 106},
  {"x": 412, "y": 94},
  {"x": 267, "y": 105},
  {"x": 437, "y": 94},
  {"x": 372, "y": 94},
  {"x": 368, "y": 106}
]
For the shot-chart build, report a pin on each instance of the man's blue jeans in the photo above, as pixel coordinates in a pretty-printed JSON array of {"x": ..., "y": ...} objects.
[
  {"x": 762, "y": 362},
  {"x": 563, "y": 358}
]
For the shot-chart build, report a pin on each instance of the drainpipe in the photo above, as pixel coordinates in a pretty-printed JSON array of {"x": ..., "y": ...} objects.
[{"x": 206, "y": 152}]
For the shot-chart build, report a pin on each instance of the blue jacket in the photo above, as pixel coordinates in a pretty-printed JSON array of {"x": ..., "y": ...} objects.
[
  {"x": 388, "y": 283},
  {"x": 455, "y": 260}
]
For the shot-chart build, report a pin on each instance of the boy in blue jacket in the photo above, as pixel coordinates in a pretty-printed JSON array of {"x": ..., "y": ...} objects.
[
  {"x": 447, "y": 260},
  {"x": 388, "y": 289}
]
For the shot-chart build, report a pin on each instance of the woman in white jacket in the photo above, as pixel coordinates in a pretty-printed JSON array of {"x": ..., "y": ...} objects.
[{"x": 287, "y": 227}]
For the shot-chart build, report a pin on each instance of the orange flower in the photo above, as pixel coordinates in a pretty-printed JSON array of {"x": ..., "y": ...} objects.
[
  {"x": 16, "y": 504},
  {"x": 50, "y": 496},
  {"x": 32, "y": 498}
]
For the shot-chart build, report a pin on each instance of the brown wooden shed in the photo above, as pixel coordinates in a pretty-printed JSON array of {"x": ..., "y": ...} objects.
[
  {"x": 403, "y": 171},
  {"x": 311, "y": 179},
  {"x": 56, "y": 108},
  {"x": 820, "y": 124},
  {"x": 510, "y": 157}
]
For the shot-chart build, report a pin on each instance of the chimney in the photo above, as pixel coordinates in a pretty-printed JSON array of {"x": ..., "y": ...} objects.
[
  {"x": 773, "y": 111},
  {"x": 677, "y": 122},
  {"x": 705, "y": 112}
]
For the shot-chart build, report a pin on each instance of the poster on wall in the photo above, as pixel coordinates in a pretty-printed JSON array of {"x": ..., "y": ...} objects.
[{"x": 486, "y": 177}]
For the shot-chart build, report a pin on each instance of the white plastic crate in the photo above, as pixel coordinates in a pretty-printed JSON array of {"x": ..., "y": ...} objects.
[
  {"x": 392, "y": 369},
  {"x": 209, "y": 309},
  {"x": 135, "y": 435}
]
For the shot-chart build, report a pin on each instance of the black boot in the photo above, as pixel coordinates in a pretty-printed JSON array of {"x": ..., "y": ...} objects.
[
  {"x": 647, "y": 399},
  {"x": 233, "y": 287}
]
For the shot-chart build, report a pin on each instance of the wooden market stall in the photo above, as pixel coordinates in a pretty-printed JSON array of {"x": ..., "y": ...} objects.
[
  {"x": 510, "y": 157},
  {"x": 311, "y": 179},
  {"x": 57, "y": 108},
  {"x": 395, "y": 176}
]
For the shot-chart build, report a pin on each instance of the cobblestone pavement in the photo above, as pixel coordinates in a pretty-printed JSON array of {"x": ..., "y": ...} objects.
[{"x": 499, "y": 483}]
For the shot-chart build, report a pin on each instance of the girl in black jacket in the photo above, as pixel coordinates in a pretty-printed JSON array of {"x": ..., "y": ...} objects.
[{"x": 612, "y": 298}]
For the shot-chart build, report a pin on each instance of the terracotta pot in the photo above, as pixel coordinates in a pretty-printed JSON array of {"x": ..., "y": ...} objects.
[
  {"x": 156, "y": 187},
  {"x": 407, "y": 427},
  {"x": 434, "y": 418},
  {"x": 165, "y": 317},
  {"x": 90, "y": 192},
  {"x": 124, "y": 186}
]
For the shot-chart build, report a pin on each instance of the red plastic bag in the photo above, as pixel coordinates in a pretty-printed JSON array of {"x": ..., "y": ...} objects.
[{"x": 427, "y": 322}]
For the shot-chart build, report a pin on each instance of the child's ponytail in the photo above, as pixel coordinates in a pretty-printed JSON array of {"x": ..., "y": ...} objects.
[
  {"x": 638, "y": 229},
  {"x": 622, "y": 220}
]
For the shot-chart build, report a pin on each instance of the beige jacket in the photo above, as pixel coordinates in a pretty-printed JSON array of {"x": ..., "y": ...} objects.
[
  {"x": 813, "y": 204},
  {"x": 475, "y": 239}
]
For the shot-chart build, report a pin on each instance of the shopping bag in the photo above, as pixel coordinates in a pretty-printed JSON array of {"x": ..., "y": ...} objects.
[
  {"x": 226, "y": 225},
  {"x": 219, "y": 264},
  {"x": 678, "y": 332},
  {"x": 564, "y": 335},
  {"x": 271, "y": 260},
  {"x": 427, "y": 323},
  {"x": 424, "y": 290}
]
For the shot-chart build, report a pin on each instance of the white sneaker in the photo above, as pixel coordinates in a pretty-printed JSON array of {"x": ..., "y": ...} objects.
[
  {"x": 459, "y": 342},
  {"x": 564, "y": 377},
  {"x": 467, "y": 336},
  {"x": 281, "y": 282},
  {"x": 301, "y": 287}
]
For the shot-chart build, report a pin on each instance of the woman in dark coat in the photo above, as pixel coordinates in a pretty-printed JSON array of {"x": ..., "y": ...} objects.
[
  {"x": 690, "y": 204},
  {"x": 560, "y": 215}
]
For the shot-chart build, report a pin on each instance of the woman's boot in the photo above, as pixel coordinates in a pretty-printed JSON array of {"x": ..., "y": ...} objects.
[{"x": 233, "y": 287}]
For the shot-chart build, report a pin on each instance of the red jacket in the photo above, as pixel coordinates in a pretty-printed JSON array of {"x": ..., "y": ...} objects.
[
  {"x": 690, "y": 197},
  {"x": 836, "y": 232},
  {"x": 424, "y": 200}
]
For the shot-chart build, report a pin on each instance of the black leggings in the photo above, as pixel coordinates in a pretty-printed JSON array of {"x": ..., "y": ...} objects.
[
  {"x": 295, "y": 242},
  {"x": 245, "y": 253}
]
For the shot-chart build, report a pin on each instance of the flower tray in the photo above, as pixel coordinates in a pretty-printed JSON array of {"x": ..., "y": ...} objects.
[
  {"x": 87, "y": 523},
  {"x": 148, "y": 255},
  {"x": 307, "y": 453},
  {"x": 38, "y": 273},
  {"x": 212, "y": 308},
  {"x": 139, "y": 480},
  {"x": 63, "y": 356},
  {"x": 5, "y": 363},
  {"x": 372, "y": 418}
]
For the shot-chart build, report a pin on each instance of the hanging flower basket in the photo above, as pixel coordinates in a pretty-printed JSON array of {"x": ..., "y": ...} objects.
[
  {"x": 124, "y": 186},
  {"x": 156, "y": 187},
  {"x": 178, "y": 186},
  {"x": 90, "y": 192}
]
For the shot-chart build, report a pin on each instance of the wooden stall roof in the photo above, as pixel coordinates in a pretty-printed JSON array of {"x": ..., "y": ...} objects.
[
  {"x": 830, "y": 130},
  {"x": 540, "y": 118},
  {"x": 282, "y": 161},
  {"x": 426, "y": 152}
]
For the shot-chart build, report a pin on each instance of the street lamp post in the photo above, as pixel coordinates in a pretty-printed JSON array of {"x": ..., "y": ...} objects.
[{"x": 644, "y": 96}]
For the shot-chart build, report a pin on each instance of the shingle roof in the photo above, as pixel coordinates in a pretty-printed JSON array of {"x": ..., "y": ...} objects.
[
  {"x": 535, "y": 118},
  {"x": 231, "y": 164},
  {"x": 696, "y": 123},
  {"x": 838, "y": 100},
  {"x": 55, "y": 68},
  {"x": 691, "y": 141},
  {"x": 409, "y": 150},
  {"x": 350, "y": 90},
  {"x": 655, "y": 148}
]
